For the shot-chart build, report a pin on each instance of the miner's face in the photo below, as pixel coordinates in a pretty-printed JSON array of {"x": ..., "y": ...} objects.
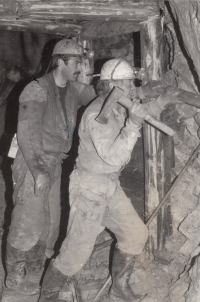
[
  {"x": 71, "y": 69},
  {"x": 127, "y": 86}
]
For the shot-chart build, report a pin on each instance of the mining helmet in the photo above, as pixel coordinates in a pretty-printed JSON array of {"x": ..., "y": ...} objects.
[
  {"x": 68, "y": 47},
  {"x": 117, "y": 69}
]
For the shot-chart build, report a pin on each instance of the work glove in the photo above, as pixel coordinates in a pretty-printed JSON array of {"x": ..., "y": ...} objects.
[
  {"x": 42, "y": 184},
  {"x": 137, "y": 113},
  {"x": 152, "y": 89},
  {"x": 169, "y": 97}
]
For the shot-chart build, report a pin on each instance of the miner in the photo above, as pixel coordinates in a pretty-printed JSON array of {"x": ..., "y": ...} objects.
[
  {"x": 46, "y": 122},
  {"x": 96, "y": 197}
]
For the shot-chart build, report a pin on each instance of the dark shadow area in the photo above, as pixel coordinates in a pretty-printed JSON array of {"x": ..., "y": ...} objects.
[
  {"x": 137, "y": 49},
  {"x": 11, "y": 117},
  {"x": 112, "y": 249}
]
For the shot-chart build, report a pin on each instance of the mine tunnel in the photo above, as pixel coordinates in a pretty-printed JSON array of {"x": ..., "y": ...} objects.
[{"x": 160, "y": 40}]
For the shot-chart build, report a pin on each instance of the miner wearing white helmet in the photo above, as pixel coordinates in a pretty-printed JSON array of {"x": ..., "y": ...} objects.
[
  {"x": 46, "y": 122},
  {"x": 96, "y": 197}
]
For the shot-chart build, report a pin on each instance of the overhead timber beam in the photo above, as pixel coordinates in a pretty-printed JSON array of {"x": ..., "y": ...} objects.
[
  {"x": 134, "y": 10},
  {"x": 10, "y": 20},
  {"x": 39, "y": 26},
  {"x": 63, "y": 17}
]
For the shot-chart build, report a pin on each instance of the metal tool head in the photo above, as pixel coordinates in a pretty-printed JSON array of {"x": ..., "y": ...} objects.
[{"x": 109, "y": 104}]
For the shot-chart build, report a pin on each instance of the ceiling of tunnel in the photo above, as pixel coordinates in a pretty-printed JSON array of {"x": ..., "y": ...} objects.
[{"x": 70, "y": 18}]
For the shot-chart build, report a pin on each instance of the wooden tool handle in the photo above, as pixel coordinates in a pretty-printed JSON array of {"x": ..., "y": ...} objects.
[
  {"x": 160, "y": 125},
  {"x": 149, "y": 118}
]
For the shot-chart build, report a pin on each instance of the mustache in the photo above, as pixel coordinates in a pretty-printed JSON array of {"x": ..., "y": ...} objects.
[{"x": 77, "y": 73}]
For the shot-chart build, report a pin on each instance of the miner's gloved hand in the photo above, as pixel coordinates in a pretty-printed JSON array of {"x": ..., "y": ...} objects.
[
  {"x": 169, "y": 97},
  {"x": 137, "y": 113},
  {"x": 42, "y": 184},
  {"x": 152, "y": 89}
]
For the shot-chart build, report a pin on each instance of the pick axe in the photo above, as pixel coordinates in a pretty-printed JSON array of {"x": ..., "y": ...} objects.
[{"x": 116, "y": 96}]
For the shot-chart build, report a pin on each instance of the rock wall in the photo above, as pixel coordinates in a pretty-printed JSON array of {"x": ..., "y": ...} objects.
[{"x": 175, "y": 273}]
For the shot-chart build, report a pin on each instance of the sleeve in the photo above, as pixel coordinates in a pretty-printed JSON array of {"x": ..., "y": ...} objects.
[
  {"x": 29, "y": 132},
  {"x": 113, "y": 149}
]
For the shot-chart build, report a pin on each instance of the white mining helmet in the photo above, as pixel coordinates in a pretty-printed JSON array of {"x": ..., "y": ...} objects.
[
  {"x": 68, "y": 47},
  {"x": 117, "y": 69}
]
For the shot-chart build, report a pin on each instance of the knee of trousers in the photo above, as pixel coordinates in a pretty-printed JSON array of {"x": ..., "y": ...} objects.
[
  {"x": 136, "y": 245},
  {"x": 24, "y": 243},
  {"x": 69, "y": 269},
  {"x": 71, "y": 261}
]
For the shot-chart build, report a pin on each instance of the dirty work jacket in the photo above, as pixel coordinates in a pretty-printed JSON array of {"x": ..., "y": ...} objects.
[
  {"x": 105, "y": 148},
  {"x": 42, "y": 125},
  {"x": 96, "y": 198},
  {"x": 43, "y": 135}
]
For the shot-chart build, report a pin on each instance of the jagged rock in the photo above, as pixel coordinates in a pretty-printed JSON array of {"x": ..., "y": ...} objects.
[
  {"x": 177, "y": 294},
  {"x": 188, "y": 247},
  {"x": 193, "y": 293},
  {"x": 190, "y": 227}
]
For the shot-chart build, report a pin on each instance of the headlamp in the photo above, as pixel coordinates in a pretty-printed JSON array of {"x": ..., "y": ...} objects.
[{"x": 89, "y": 53}]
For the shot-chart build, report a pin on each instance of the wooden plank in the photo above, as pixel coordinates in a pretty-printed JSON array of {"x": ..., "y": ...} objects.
[
  {"x": 9, "y": 6},
  {"x": 101, "y": 29},
  {"x": 105, "y": 2},
  {"x": 121, "y": 2},
  {"x": 89, "y": 10},
  {"x": 152, "y": 62},
  {"x": 169, "y": 156},
  {"x": 39, "y": 26}
]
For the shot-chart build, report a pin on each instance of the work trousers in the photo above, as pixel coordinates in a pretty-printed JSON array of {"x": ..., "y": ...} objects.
[
  {"x": 96, "y": 201},
  {"x": 35, "y": 218}
]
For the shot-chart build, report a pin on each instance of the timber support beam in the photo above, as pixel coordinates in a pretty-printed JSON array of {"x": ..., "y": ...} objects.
[{"x": 155, "y": 142}]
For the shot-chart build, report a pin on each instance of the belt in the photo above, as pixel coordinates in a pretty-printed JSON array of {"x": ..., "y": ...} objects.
[
  {"x": 58, "y": 155},
  {"x": 112, "y": 175}
]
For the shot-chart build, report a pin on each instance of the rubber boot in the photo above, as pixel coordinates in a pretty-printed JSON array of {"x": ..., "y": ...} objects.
[
  {"x": 35, "y": 262},
  {"x": 122, "y": 268},
  {"x": 53, "y": 282},
  {"x": 16, "y": 272}
]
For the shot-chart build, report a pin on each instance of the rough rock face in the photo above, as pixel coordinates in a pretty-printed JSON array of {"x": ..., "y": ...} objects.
[
  {"x": 185, "y": 198},
  {"x": 114, "y": 47},
  {"x": 185, "y": 208}
]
